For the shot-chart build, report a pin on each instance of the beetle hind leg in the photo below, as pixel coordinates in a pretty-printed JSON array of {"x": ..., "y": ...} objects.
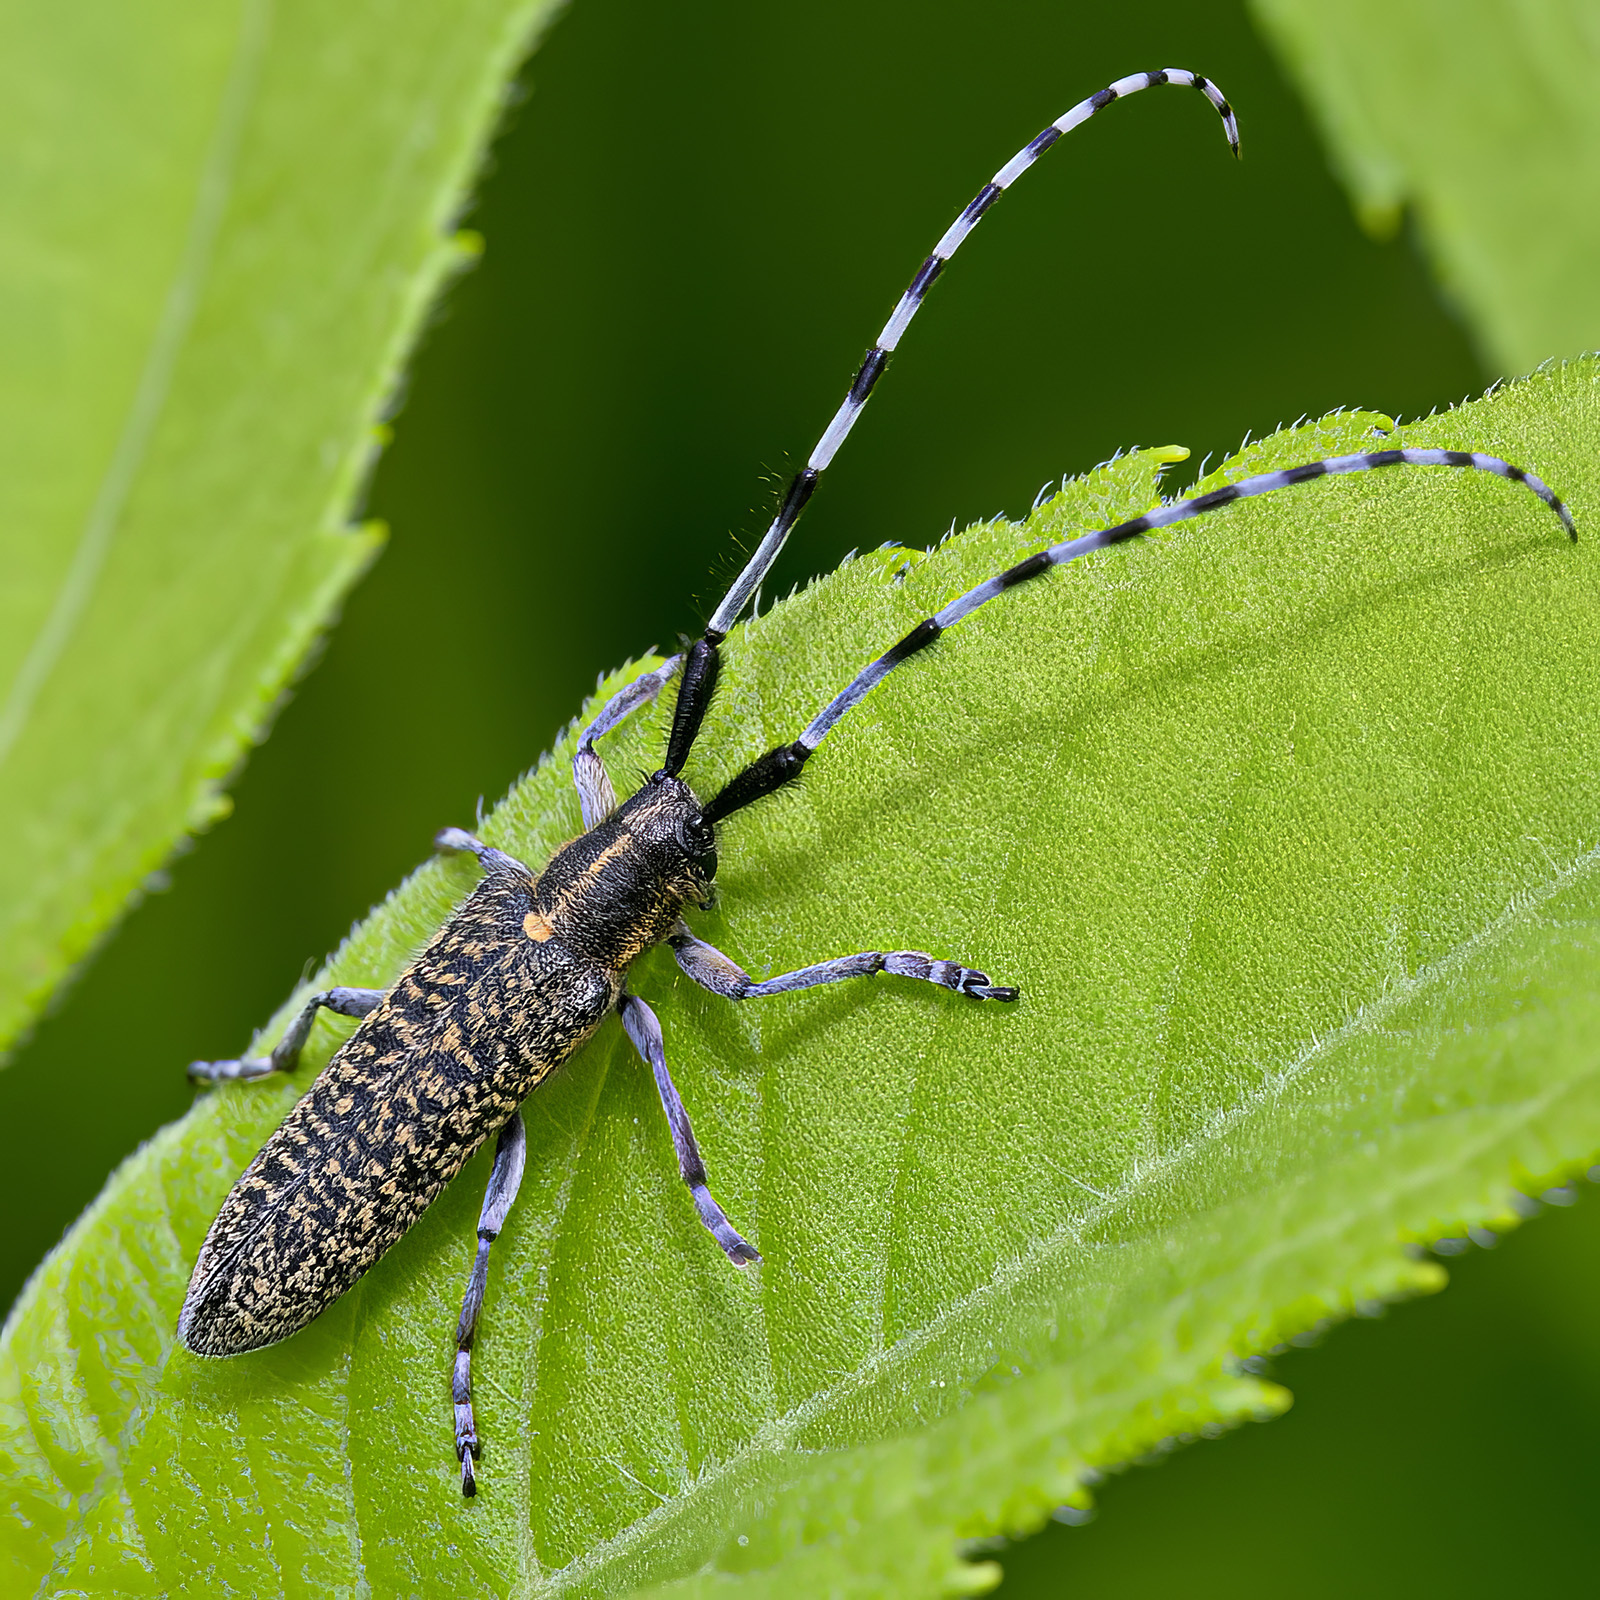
[{"x": 505, "y": 1179}]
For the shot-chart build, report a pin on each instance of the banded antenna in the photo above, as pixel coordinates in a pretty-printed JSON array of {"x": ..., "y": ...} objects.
[
  {"x": 770, "y": 772},
  {"x": 701, "y": 664}
]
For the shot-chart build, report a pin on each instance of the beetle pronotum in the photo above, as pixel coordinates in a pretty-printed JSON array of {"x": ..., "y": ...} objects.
[{"x": 534, "y": 962}]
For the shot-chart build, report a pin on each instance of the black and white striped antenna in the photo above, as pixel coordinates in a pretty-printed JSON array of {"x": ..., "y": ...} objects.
[
  {"x": 782, "y": 764},
  {"x": 700, "y": 666},
  {"x": 877, "y": 358}
]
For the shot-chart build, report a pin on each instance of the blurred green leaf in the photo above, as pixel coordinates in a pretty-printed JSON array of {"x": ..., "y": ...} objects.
[
  {"x": 224, "y": 226},
  {"x": 1483, "y": 115},
  {"x": 1286, "y": 825}
]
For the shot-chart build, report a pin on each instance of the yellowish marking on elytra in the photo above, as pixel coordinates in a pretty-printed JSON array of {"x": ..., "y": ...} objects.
[{"x": 537, "y": 927}]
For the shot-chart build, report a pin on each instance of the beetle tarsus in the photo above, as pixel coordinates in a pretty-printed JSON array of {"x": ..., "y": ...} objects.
[
  {"x": 737, "y": 1248},
  {"x": 245, "y": 1070}
]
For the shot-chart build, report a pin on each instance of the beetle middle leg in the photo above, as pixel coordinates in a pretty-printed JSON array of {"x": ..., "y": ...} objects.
[
  {"x": 714, "y": 971},
  {"x": 645, "y": 1030},
  {"x": 286, "y": 1052},
  {"x": 505, "y": 1178}
]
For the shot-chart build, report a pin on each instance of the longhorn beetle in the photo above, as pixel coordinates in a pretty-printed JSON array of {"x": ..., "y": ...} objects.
[{"x": 534, "y": 962}]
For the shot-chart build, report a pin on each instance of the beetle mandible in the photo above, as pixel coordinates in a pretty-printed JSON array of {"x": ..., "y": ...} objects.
[{"x": 533, "y": 962}]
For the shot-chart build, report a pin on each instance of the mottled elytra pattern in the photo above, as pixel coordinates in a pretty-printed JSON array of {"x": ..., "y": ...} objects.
[
  {"x": 531, "y": 965},
  {"x": 483, "y": 1015},
  {"x": 507, "y": 991}
]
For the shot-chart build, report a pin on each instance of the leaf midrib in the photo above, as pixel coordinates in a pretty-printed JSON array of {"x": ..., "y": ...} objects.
[
  {"x": 778, "y": 1433},
  {"x": 150, "y": 395}
]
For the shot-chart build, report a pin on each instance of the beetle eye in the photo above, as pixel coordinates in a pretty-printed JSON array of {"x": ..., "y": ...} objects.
[{"x": 697, "y": 834}]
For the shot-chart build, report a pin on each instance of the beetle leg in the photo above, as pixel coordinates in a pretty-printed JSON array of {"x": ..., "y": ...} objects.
[
  {"x": 504, "y": 1180},
  {"x": 645, "y": 1031},
  {"x": 589, "y": 774},
  {"x": 286, "y": 1052},
  {"x": 714, "y": 971},
  {"x": 457, "y": 841}
]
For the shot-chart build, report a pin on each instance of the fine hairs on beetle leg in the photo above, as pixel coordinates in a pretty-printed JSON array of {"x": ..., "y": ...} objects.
[{"x": 535, "y": 961}]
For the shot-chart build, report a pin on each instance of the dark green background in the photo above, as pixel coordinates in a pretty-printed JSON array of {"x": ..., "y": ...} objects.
[{"x": 696, "y": 222}]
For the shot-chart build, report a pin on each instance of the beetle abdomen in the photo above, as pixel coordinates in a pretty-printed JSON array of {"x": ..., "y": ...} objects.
[{"x": 485, "y": 1013}]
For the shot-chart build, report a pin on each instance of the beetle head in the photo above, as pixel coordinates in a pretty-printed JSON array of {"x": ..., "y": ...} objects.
[{"x": 668, "y": 821}]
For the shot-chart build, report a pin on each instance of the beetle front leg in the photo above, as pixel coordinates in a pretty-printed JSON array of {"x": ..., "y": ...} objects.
[
  {"x": 286, "y": 1052},
  {"x": 716, "y": 972},
  {"x": 505, "y": 1179},
  {"x": 589, "y": 773},
  {"x": 645, "y": 1030}
]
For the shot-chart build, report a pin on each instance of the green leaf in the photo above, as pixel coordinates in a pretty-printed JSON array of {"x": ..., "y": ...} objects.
[
  {"x": 1287, "y": 826},
  {"x": 225, "y": 226},
  {"x": 1482, "y": 114}
]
